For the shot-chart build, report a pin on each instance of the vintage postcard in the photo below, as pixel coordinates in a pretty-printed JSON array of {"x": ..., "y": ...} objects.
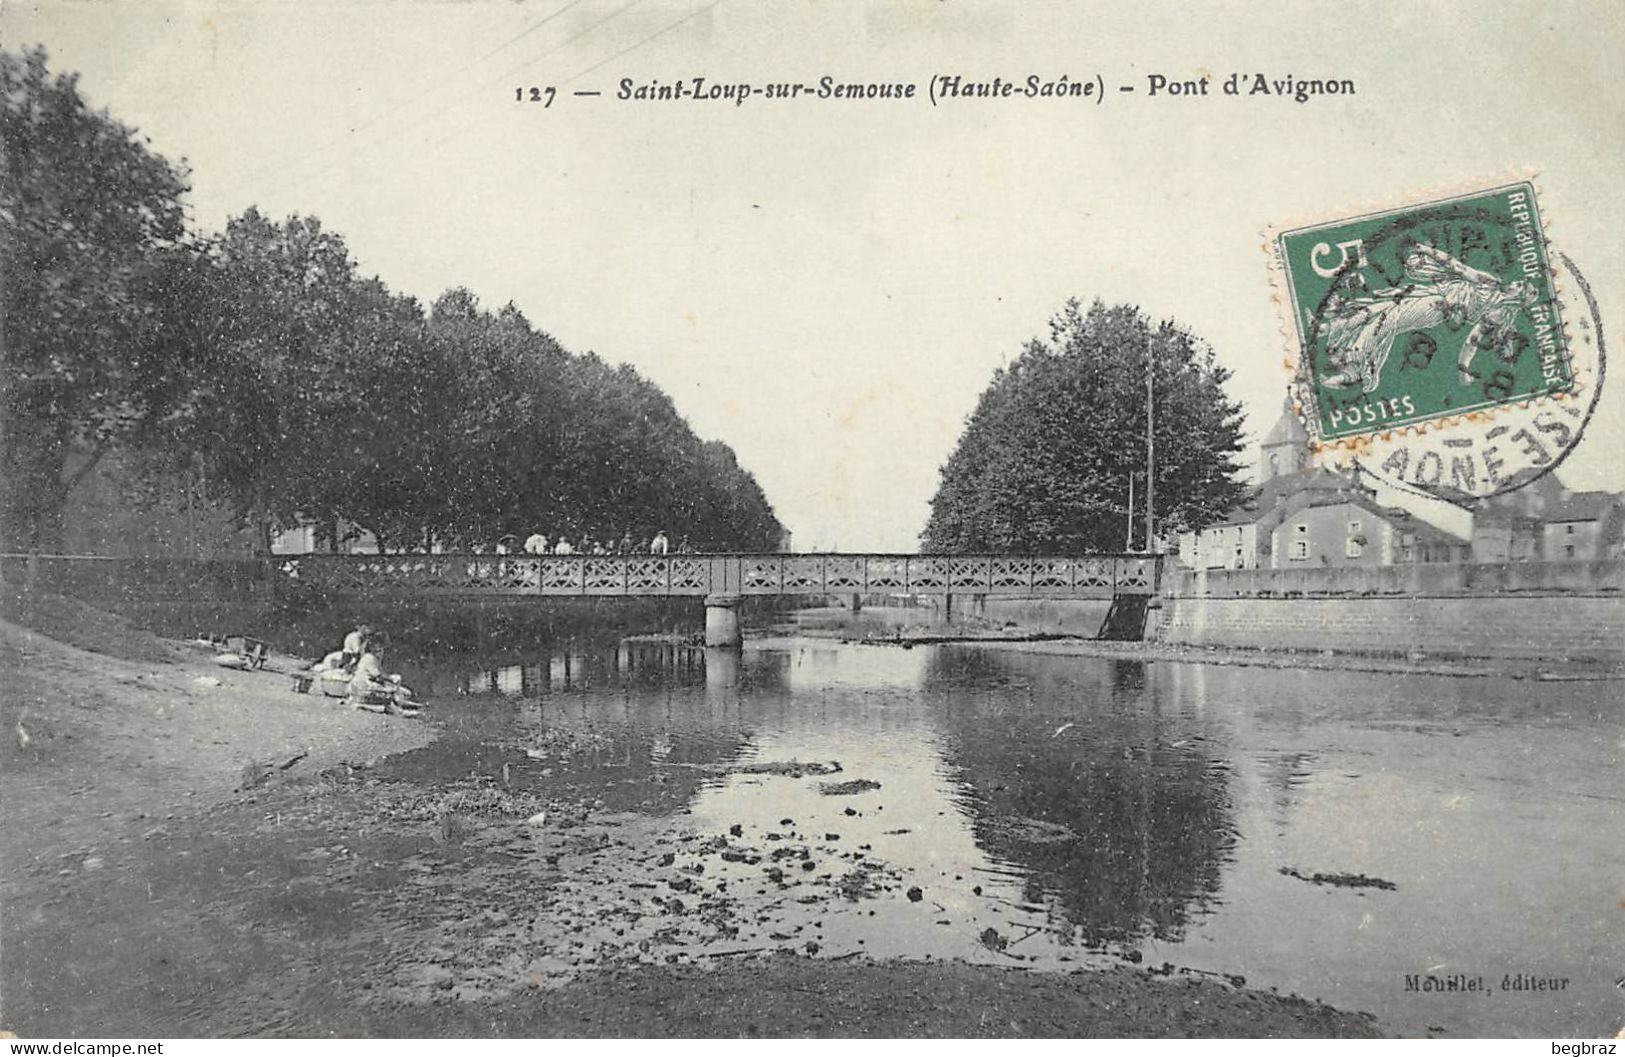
[{"x": 728, "y": 519}]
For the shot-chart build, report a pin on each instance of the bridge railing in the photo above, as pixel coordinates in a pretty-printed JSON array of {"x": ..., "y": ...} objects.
[{"x": 708, "y": 574}]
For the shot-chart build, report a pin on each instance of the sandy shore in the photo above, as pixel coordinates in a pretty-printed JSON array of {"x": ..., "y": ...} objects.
[
  {"x": 100, "y": 744},
  {"x": 166, "y": 875}
]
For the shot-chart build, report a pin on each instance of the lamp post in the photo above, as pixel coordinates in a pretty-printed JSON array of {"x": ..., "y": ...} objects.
[
  {"x": 1128, "y": 522},
  {"x": 1150, "y": 455}
]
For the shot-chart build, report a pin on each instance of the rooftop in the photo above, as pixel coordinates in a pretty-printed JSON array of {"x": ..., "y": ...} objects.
[{"x": 1584, "y": 506}]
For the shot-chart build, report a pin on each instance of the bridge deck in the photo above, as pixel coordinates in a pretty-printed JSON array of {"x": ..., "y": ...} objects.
[{"x": 1092, "y": 576}]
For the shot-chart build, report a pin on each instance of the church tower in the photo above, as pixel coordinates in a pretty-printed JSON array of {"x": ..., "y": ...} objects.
[{"x": 1285, "y": 448}]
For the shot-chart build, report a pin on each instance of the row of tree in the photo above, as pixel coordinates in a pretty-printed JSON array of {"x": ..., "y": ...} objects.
[
  {"x": 261, "y": 360},
  {"x": 1056, "y": 447}
]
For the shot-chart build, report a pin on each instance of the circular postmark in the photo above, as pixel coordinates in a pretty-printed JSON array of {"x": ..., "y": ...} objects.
[
  {"x": 1441, "y": 349},
  {"x": 1480, "y": 454}
]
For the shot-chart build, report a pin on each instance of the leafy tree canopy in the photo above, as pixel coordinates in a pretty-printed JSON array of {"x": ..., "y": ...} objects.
[
  {"x": 88, "y": 219},
  {"x": 261, "y": 361},
  {"x": 1043, "y": 465}
]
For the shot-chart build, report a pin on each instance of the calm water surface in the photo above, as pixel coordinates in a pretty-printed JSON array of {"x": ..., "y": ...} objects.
[{"x": 1056, "y": 812}]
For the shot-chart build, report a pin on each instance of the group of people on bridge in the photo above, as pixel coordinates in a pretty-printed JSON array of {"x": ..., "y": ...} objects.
[{"x": 627, "y": 545}]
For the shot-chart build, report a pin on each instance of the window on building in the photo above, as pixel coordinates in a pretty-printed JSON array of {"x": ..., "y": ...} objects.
[
  {"x": 1568, "y": 551},
  {"x": 1300, "y": 544},
  {"x": 1407, "y": 552},
  {"x": 1568, "y": 530},
  {"x": 1275, "y": 464},
  {"x": 1354, "y": 546}
]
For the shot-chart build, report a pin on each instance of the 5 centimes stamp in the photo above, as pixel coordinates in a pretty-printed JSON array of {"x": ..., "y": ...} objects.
[
  {"x": 1426, "y": 311},
  {"x": 1433, "y": 341}
]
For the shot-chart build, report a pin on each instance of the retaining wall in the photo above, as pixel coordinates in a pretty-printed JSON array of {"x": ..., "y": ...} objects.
[
  {"x": 1540, "y": 610},
  {"x": 1069, "y": 616},
  {"x": 1419, "y": 579},
  {"x": 1551, "y": 627}
]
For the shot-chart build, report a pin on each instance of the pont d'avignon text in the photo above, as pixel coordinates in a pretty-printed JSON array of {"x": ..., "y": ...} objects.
[{"x": 951, "y": 88}]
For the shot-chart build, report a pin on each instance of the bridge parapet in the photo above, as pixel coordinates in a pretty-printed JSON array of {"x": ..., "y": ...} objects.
[{"x": 1088, "y": 576}]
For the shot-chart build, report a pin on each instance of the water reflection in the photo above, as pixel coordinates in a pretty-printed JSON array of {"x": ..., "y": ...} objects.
[
  {"x": 1101, "y": 810},
  {"x": 620, "y": 715},
  {"x": 1144, "y": 809},
  {"x": 1115, "y": 808}
]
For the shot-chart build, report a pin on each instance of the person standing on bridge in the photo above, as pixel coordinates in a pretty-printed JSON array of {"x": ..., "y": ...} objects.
[
  {"x": 659, "y": 545},
  {"x": 536, "y": 543},
  {"x": 563, "y": 547}
]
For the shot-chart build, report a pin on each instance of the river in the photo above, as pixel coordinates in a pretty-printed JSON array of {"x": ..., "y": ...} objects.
[{"x": 1352, "y": 837}]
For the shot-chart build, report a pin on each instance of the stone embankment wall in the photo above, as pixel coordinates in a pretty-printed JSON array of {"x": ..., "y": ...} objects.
[
  {"x": 1063, "y": 616},
  {"x": 1540, "y": 610}
]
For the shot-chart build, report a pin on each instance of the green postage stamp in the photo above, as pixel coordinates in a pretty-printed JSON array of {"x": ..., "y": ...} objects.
[{"x": 1423, "y": 313}]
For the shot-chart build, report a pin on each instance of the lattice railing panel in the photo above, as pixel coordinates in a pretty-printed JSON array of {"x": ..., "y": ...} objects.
[
  {"x": 1097, "y": 573},
  {"x": 649, "y": 576},
  {"x": 429, "y": 575},
  {"x": 1052, "y": 574},
  {"x": 760, "y": 575},
  {"x": 519, "y": 575},
  {"x": 1009, "y": 573},
  {"x": 805, "y": 575},
  {"x": 561, "y": 575},
  {"x": 927, "y": 574},
  {"x": 843, "y": 574},
  {"x": 970, "y": 574},
  {"x": 887, "y": 574},
  {"x": 689, "y": 576},
  {"x": 1136, "y": 573},
  {"x": 496, "y": 576},
  {"x": 601, "y": 576}
]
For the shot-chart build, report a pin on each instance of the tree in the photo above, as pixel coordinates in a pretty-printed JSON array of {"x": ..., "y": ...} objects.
[
  {"x": 259, "y": 362},
  {"x": 1043, "y": 465},
  {"x": 88, "y": 219},
  {"x": 273, "y": 351}
]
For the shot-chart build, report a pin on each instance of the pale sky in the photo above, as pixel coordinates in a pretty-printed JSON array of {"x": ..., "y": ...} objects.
[{"x": 828, "y": 285}]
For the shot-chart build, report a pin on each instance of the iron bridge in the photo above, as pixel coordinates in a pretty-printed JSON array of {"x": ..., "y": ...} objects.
[{"x": 483, "y": 575}]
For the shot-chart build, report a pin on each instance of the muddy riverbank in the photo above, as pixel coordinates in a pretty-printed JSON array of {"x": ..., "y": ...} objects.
[{"x": 167, "y": 875}]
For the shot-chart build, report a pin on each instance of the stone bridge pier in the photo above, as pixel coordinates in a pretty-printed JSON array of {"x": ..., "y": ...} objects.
[{"x": 722, "y": 622}]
